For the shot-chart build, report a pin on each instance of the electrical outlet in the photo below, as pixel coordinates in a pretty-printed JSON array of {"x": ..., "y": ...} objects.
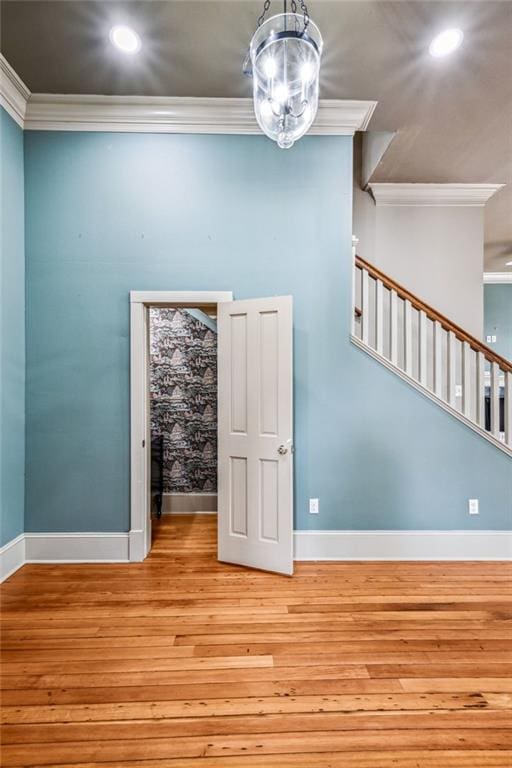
[
  {"x": 313, "y": 507},
  {"x": 473, "y": 506},
  {"x": 493, "y": 339},
  {"x": 488, "y": 339},
  {"x": 458, "y": 390}
]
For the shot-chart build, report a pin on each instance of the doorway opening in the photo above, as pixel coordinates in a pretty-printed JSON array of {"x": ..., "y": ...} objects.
[
  {"x": 183, "y": 412},
  {"x": 250, "y": 462},
  {"x": 173, "y": 407}
]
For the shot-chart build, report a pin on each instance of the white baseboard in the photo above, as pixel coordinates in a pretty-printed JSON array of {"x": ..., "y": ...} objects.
[
  {"x": 308, "y": 545},
  {"x": 12, "y": 556},
  {"x": 402, "y": 545},
  {"x": 189, "y": 503},
  {"x": 77, "y": 547}
]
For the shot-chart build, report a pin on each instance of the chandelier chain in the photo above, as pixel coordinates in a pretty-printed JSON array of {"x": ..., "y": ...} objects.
[
  {"x": 303, "y": 7},
  {"x": 266, "y": 6},
  {"x": 305, "y": 11}
]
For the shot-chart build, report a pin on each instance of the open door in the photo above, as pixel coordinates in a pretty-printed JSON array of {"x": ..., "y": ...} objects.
[{"x": 255, "y": 494}]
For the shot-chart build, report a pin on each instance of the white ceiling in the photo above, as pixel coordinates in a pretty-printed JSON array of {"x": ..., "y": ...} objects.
[{"x": 453, "y": 116}]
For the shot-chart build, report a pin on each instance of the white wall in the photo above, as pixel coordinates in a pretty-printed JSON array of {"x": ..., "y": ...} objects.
[{"x": 435, "y": 251}]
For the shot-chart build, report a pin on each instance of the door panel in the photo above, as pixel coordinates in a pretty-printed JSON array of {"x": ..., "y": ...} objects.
[{"x": 255, "y": 433}]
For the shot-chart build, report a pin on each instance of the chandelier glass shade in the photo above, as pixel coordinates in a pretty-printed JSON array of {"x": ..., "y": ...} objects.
[{"x": 285, "y": 54}]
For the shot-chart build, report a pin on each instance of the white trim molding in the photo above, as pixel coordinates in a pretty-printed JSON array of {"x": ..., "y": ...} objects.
[
  {"x": 12, "y": 556},
  {"x": 497, "y": 277},
  {"x": 403, "y": 545},
  {"x": 473, "y": 195},
  {"x": 14, "y": 94},
  {"x": 47, "y": 548},
  {"x": 77, "y": 547},
  {"x": 160, "y": 114},
  {"x": 168, "y": 114},
  {"x": 140, "y": 437},
  {"x": 175, "y": 298}
]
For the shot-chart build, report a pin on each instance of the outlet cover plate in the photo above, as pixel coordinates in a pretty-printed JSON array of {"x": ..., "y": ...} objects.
[{"x": 313, "y": 507}]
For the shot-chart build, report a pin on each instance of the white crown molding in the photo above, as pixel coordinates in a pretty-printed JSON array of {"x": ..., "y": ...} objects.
[
  {"x": 57, "y": 112},
  {"x": 475, "y": 195},
  {"x": 14, "y": 94},
  {"x": 402, "y": 545},
  {"x": 497, "y": 277},
  {"x": 155, "y": 114}
]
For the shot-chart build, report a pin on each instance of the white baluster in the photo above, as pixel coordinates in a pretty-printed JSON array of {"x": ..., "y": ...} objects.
[
  {"x": 379, "y": 320},
  {"x": 495, "y": 399},
  {"x": 508, "y": 408},
  {"x": 480, "y": 390},
  {"x": 438, "y": 358},
  {"x": 423, "y": 343},
  {"x": 393, "y": 327},
  {"x": 408, "y": 337},
  {"x": 466, "y": 379},
  {"x": 365, "y": 306},
  {"x": 354, "y": 301},
  {"x": 452, "y": 367}
]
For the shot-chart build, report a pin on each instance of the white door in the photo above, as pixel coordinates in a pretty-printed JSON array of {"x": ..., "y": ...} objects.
[{"x": 255, "y": 494}]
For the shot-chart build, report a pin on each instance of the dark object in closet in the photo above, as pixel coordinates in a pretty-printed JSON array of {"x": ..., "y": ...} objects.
[
  {"x": 157, "y": 473},
  {"x": 501, "y": 401}
]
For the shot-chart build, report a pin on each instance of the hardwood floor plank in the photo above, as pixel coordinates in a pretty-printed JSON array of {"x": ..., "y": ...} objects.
[
  {"x": 254, "y": 705},
  {"x": 226, "y": 725},
  {"x": 206, "y": 690},
  {"x": 367, "y": 759},
  {"x": 247, "y": 744}
]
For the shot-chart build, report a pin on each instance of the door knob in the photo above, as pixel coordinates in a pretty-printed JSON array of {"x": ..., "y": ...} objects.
[{"x": 282, "y": 450}]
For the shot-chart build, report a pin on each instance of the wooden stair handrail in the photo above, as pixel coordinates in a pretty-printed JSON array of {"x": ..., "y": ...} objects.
[{"x": 433, "y": 314}]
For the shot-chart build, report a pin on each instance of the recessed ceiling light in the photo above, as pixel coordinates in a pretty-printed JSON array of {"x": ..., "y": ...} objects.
[
  {"x": 125, "y": 38},
  {"x": 508, "y": 263},
  {"x": 446, "y": 42}
]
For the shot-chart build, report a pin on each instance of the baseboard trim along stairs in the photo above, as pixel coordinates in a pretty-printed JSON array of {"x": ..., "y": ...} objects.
[
  {"x": 308, "y": 545},
  {"x": 430, "y": 395},
  {"x": 432, "y": 354}
]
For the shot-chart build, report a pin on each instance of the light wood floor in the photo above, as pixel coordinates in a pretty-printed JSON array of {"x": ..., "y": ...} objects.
[{"x": 182, "y": 661}]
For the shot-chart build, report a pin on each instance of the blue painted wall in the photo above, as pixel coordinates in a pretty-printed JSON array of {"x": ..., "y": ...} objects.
[
  {"x": 498, "y": 317},
  {"x": 107, "y": 213},
  {"x": 12, "y": 331}
]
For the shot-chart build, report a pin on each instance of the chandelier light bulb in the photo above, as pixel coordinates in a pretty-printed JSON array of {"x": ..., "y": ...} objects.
[
  {"x": 285, "y": 54},
  {"x": 270, "y": 67},
  {"x": 307, "y": 71},
  {"x": 281, "y": 93}
]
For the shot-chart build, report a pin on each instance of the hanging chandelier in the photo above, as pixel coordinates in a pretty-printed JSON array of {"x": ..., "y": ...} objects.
[{"x": 284, "y": 62}]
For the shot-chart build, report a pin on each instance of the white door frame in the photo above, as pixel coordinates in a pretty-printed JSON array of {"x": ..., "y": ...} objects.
[{"x": 140, "y": 436}]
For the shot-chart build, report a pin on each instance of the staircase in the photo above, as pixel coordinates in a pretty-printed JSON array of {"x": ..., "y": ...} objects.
[{"x": 433, "y": 354}]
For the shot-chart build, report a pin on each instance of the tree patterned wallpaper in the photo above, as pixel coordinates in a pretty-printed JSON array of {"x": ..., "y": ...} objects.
[{"x": 183, "y": 398}]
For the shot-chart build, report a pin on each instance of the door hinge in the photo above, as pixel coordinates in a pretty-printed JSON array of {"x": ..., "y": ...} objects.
[{"x": 143, "y": 443}]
